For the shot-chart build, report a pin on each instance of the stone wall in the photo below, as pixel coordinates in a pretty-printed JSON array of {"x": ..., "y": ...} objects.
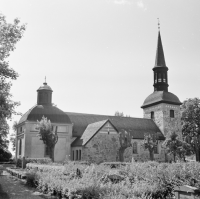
[
  {"x": 163, "y": 120},
  {"x": 142, "y": 155},
  {"x": 103, "y": 147}
]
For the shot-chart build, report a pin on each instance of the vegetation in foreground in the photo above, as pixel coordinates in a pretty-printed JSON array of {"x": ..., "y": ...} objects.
[{"x": 137, "y": 180}]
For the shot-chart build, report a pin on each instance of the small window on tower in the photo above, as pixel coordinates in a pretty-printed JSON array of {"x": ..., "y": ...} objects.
[
  {"x": 155, "y": 77},
  {"x": 159, "y": 77},
  {"x": 164, "y": 79},
  {"x": 152, "y": 115},
  {"x": 172, "y": 113}
]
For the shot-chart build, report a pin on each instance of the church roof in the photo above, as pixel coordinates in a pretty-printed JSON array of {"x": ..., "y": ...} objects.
[
  {"x": 136, "y": 126},
  {"x": 54, "y": 114},
  {"x": 45, "y": 87},
  {"x": 91, "y": 130},
  {"x": 158, "y": 97},
  {"x": 160, "y": 58}
]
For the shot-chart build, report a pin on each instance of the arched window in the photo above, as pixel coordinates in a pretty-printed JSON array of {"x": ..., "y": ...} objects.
[
  {"x": 79, "y": 154},
  {"x": 164, "y": 78},
  {"x": 152, "y": 115},
  {"x": 155, "y": 77},
  {"x": 159, "y": 77},
  {"x": 20, "y": 146},
  {"x": 135, "y": 148}
]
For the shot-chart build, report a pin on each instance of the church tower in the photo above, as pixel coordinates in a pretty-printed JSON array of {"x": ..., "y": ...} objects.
[{"x": 162, "y": 106}]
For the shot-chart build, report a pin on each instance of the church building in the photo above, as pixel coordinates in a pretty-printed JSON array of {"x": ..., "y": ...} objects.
[{"x": 96, "y": 138}]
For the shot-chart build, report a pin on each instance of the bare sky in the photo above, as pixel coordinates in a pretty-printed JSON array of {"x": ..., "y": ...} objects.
[{"x": 98, "y": 55}]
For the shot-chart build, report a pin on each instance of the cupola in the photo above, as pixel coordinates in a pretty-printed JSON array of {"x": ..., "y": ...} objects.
[{"x": 44, "y": 96}]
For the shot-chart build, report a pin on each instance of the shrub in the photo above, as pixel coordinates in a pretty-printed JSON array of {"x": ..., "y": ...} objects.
[{"x": 139, "y": 180}]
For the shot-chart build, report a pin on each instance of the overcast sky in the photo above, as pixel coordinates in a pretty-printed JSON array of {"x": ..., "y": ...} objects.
[{"x": 98, "y": 55}]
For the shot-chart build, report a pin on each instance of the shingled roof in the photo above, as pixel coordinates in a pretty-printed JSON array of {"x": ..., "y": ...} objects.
[{"x": 136, "y": 126}]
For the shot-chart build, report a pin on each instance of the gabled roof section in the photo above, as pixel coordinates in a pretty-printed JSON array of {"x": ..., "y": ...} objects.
[
  {"x": 90, "y": 131},
  {"x": 136, "y": 126},
  {"x": 160, "y": 58}
]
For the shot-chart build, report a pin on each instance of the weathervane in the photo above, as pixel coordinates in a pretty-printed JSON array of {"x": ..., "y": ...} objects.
[{"x": 158, "y": 24}]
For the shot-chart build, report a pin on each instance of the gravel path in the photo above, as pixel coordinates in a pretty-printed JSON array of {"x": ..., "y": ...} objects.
[{"x": 13, "y": 188}]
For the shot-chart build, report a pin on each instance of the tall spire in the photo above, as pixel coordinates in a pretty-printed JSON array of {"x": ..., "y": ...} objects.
[
  {"x": 160, "y": 69},
  {"x": 160, "y": 58}
]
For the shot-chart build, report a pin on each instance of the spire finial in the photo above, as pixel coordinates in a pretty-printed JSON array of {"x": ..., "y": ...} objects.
[
  {"x": 45, "y": 83},
  {"x": 158, "y": 24}
]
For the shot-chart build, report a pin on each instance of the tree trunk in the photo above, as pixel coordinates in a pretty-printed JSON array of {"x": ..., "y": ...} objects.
[
  {"x": 52, "y": 153},
  {"x": 121, "y": 154},
  {"x": 151, "y": 153},
  {"x": 174, "y": 157}
]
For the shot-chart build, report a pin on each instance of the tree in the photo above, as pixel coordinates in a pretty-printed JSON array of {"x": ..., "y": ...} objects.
[
  {"x": 120, "y": 114},
  {"x": 13, "y": 135},
  {"x": 10, "y": 34},
  {"x": 47, "y": 135},
  {"x": 149, "y": 143},
  {"x": 176, "y": 147},
  {"x": 125, "y": 142},
  {"x": 5, "y": 155},
  {"x": 190, "y": 110}
]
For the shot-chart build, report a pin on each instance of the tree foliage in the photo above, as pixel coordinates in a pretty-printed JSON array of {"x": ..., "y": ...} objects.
[
  {"x": 10, "y": 34},
  {"x": 190, "y": 110},
  {"x": 5, "y": 155},
  {"x": 13, "y": 135},
  {"x": 150, "y": 143},
  {"x": 176, "y": 147},
  {"x": 47, "y": 135}
]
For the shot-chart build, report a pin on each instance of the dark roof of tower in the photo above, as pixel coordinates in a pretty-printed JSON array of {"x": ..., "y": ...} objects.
[
  {"x": 161, "y": 97},
  {"x": 160, "y": 58},
  {"x": 54, "y": 114},
  {"x": 136, "y": 126},
  {"x": 45, "y": 87}
]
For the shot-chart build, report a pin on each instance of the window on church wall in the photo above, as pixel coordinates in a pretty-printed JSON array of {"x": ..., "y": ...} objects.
[
  {"x": 73, "y": 155},
  {"x": 76, "y": 154},
  {"x": 79, "y": 154},
  {"x": 135, "y": 148},
  {"x": 172, "y": 113},
  {"x": 152, "y": 115},
  {"x": 159, "y": 77},
  {"x": 20, "y": 147}
]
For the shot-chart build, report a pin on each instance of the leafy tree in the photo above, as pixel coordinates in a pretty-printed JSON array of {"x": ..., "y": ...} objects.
[
  {"x": 13, "y": 135},
  {"x": 5, "y": 155},
  {"x": 190, "y": 110},
  {"x": 149, "y": 143},
  {"x": 125, "y": 142},
  {"x": 10, "y": 34},
  {"x": 120, "y": 114},
  {"x": 176, "y": 147},
  {"x": 47, "y": 135}
]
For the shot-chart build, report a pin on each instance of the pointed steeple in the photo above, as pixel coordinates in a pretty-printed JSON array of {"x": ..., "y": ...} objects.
[
  {"x": 160, "y": 69},
  {"x": 160, "y": 58}
]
